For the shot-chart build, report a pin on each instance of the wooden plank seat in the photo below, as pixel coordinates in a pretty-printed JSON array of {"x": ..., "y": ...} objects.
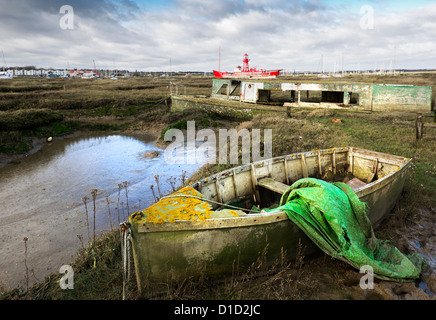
[
  {"x": 273, "y": 185},
  {"x": 276, "y": 186},
  {"x": 355, "y": 183}
]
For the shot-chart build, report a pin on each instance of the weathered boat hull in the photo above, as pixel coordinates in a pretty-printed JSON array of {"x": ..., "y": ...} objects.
[
  {"x": 216, "y": 253},
  {"x": 228, "y": 247}
]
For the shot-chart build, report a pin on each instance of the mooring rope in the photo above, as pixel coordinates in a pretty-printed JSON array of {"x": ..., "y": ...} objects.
[
  {"x": 126, "y": 238},
  {"x": 207, "y": 200}
]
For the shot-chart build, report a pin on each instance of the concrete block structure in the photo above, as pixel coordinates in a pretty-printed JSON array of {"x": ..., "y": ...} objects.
[{"x": 363, "y": 96}]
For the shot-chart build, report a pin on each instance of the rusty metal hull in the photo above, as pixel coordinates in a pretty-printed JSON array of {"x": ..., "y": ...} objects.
[{"x": 227, "y": 247}]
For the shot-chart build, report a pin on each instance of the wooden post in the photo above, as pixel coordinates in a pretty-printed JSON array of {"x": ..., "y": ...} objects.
[
  {"x": 288, "y": 111},
  {"x": 419, "y": 126}
]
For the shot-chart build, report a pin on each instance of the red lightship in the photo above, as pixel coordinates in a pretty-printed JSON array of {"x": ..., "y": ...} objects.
[{"x": 247, "y": 72}]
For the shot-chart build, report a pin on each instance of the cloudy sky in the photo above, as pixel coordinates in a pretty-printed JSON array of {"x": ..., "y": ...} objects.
[{"x": 147, "y": 35}]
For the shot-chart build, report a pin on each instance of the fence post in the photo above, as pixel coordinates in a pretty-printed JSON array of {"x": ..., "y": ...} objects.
[
  {"x": 419, "y": 126},
  {"x": 288, "y": 111}
]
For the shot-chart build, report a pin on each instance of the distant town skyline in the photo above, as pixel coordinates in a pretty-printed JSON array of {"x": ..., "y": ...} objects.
[{"x": 187, "y": 35}]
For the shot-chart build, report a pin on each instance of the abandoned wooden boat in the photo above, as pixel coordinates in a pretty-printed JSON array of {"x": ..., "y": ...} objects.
[{"x": 191, "y": 233}]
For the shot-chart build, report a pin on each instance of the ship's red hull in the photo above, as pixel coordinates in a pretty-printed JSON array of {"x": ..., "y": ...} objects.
[{"x": 250, "y": 74}]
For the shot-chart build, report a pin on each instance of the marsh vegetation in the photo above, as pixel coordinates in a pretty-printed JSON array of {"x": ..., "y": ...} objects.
[{"x": 56, "y": 107}]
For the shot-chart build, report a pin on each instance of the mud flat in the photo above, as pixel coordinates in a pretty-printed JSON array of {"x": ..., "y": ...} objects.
[{"x": 42, "y": 197}]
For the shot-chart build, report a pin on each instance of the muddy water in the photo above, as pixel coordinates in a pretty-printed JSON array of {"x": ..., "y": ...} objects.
[{"x": 41, "y": 197}]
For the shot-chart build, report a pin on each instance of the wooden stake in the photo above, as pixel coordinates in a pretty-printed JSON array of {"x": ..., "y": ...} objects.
[
  {"x": 419, "y": 126},
  {"x": 288, "y": 111}
]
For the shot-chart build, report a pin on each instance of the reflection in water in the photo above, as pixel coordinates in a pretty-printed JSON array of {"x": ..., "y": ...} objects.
[
  {"x": 41, "y": 197},
  {"x": 56, "y": 178}
]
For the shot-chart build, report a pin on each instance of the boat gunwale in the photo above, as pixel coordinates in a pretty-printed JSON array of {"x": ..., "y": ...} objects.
[
  {"x": 215, "y": 223},
  {"x": 276, "y": 216}
]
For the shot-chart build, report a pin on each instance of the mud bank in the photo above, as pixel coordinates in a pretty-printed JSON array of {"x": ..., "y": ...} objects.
[
  {"x": 37, "y": 144},
  {"x": 42, "y": 195},
  {"x": 337, "y": 280}
]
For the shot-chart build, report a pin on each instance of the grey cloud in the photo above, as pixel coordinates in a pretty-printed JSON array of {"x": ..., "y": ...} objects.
[
  {"x": 209, "y": 9},
  {"x": 278, "y": 33}
]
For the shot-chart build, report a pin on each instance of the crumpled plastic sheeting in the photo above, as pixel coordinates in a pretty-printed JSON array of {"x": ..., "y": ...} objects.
[{"x": 333, "y": 217}]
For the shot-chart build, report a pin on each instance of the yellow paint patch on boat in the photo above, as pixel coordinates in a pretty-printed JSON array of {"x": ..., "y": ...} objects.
[
  {"x": 234, "y": 213},
  {"x": 171, "y": 209}
]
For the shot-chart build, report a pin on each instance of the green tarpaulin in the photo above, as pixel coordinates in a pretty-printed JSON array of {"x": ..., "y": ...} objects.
[{"x": 334, "y": 218}]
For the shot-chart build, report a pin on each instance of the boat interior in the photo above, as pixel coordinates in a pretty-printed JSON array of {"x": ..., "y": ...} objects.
[{"x": 259, "y": 186}]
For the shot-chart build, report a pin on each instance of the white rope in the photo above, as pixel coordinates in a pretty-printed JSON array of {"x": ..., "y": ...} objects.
[{"x": 126, "y": 237}]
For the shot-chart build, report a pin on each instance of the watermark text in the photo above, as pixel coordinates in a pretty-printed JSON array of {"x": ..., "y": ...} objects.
[
  {"x": 203, "y": 145},
  {"x": 67, "y": 280},
  {"x": 66, "y": 22}
]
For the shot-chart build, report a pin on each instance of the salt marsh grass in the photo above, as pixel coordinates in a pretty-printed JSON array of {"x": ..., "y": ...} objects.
[{"x": 128, "y": 104}]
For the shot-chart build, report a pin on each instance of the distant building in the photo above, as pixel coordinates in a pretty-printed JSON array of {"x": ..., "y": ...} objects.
[
  {"x": 47, "y": 73},
  {"x": 8, "y": 74},
  {"x": 88, "y": 74},
  {"x": 75, "y": 73}
]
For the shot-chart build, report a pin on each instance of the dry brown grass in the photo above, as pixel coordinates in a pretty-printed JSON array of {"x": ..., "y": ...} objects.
[
  {"x": 292, "y": 135},
  {"x": 317, "y": 278}
]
